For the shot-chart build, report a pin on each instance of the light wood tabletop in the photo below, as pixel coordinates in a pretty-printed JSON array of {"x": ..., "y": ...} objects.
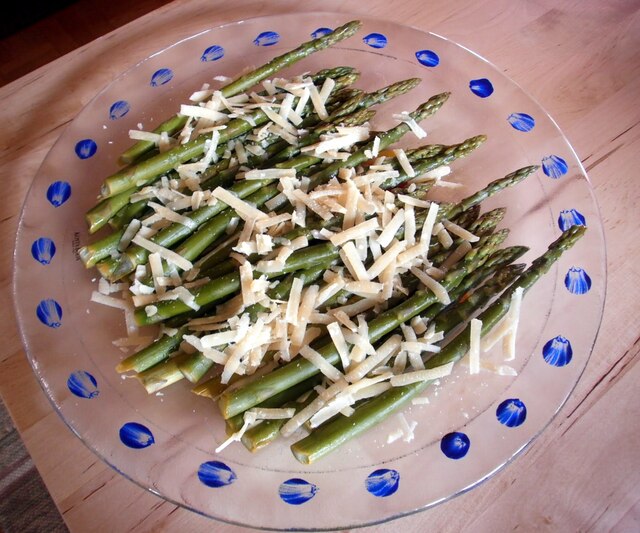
[{"x": 581, "y": 61}]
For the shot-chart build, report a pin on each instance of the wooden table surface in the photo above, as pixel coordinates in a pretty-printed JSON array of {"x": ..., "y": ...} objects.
[{"x": 581, "y": 60}]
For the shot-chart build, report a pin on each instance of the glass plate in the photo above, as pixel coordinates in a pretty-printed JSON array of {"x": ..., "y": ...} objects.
[{"x": 472, "y": 426}]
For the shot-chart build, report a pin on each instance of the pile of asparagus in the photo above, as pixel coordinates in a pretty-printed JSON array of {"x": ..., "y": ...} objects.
[{"x": 481, "y": 280}]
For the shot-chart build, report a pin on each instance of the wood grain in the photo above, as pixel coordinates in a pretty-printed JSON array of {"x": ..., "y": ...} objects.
[{"x": 579, "y": 59}]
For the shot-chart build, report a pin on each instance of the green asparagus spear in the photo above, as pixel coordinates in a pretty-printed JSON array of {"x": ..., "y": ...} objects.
[
  {"x": 197, "y": 365},
  {"x": 153, "y": 354},
  {"x": 211, "y": 220},
  {"x": 162, "y": 374},
  {"x": 290, "y": 395},
  {"x": 491, "y": 189},
  {"x": 330, "y": 436},
  {"x": 298, "y": 370},
  {"x": 450, "y": 154},
  {"x": 246, "y": 81},
  {"x": 219, "y": 173},
  {"x": 219, "y": 288}
]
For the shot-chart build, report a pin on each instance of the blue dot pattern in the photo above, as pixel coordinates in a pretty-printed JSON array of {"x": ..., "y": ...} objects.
[
  {"x": 213, "y": 53},
  {"x": 557, "y": 351},
  {"x": 481, "y": 87},
  {"x": 455, "y": 445},
  {"x": 58, "y": 193},
  {"x": 135, "y": 435},
  {"x": 43, "y": 250},
  {"x": 161, "y": 76},
  {"x": 320, "y": 32},
  {"x": 554, "y": 166},
  {"x": 83, "y": 384},
  {"x": 119, "y": 109},
  {"x": 428, "y": 58},
  {"x": 511, "y": 413},
  {"x": 216, "y": 474},
  {"x": 383, "y": 482},
  {"x": 521, "y": 122},
  {"x": 266, "y": 38},
  {"x": 577, "y": 281},
  {"x": 569, "y": 218},
  {"x": 296, "y": 491},
  {"x": 49, "y": 312},
  {"x": 86, "y": 148},
  {"x": 375, "y": 40}
]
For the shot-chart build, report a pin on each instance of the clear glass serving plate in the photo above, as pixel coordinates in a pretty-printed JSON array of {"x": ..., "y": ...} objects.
[{"x": 473, "y": 425}]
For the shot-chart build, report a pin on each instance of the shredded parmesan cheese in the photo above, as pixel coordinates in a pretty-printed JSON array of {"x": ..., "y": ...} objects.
[
  {"x": 440, "y": 292},
  {"x": 321, "y": 363},
  {"x": 352, "y": 260},
  {"x": 109, "y": 301},
  {"x": 474, "y": 346},
  {"x": 245, "y": 210},
  {"x": 402, "y": 158},
  {"x": 165, "y": 253},
  {"x": 385, "y": 259},
  {"x": 363, "y": 229},
  {"x": 318, "y": 103},
  {"x": 413, "y": 125},
  {"x": 460, "y": 231},
  {"x": 272, "y": 413},
  {"x": 294, "y": 301},
  {"x": 246, "y": 279},
  {"x": 422, "y": 375},
  {"x": 337, "y": 337}
]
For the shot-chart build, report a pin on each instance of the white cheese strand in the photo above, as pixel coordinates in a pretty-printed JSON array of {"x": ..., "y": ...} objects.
[
  {"x": 321, "y": 363},
  {"x": 422, "y": 375},
  {"x": 391, "y": 228},
  {"x": 293, "y": 303},
  {"x": 460, "y": 231},
  {"x": 475, "y": 330},
  {"x": 364, "y": 229},
  {"x": 165, "y": 253},
  {"x": 335, "y": 332},
  {"x": 402, "y": 158},
  {"x": 245, "y": 210},
  {"x": 385, "y": 259},
  {"x": 438, "y": 290},
  {"x": 352, "y": 261}
]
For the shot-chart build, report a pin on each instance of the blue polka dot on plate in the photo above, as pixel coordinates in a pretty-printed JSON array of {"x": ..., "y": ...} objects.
[
  {"x": 383, "y": 482},
  {"x": 569, "y": 218},
  {"x": 455, "y": 445},
  {"x": 557, "y": 351},
  {"x": 58, "y": 193},
  {"x": 375, "y": 40},
  {"x": 427, "y": 58},
  {"x": 577, "y": 281},
  {"x": 161, "y": 76},
  {"x": 321, "y": 32},
  {"x": 83, "y": 384},
  {"x": 43, "y": 250},
  {"x": 511, "y": 412},
  {"x": 119, "y": 109},
  {"x": 297, "y": 491},
  {"x": 86, "y": 148},
  {"x": 216, "y": 474},
  {"x": 481, "y": 87},
  {"x": 521, "y": 121},
  {"x": 213, "y": 53},
  {"x": 267, "y": 38},
  {"x": 554, "y": 166},
  {"x": 135, "y": 435},
  {"x": 49, "y": 312}
]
